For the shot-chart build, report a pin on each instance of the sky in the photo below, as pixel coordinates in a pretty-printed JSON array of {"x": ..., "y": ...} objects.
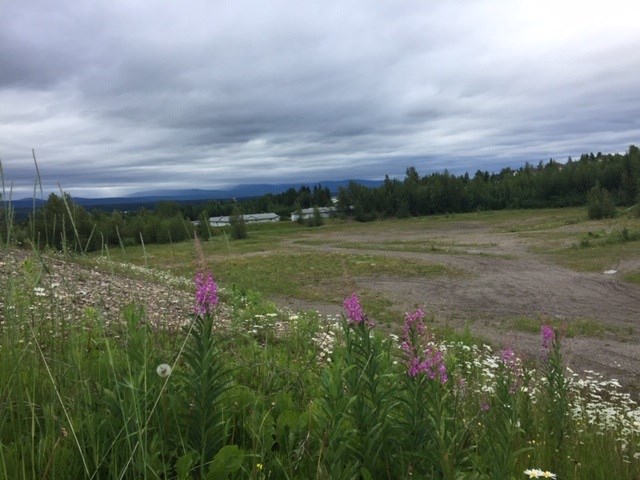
[{"x": 121, "y": 96}]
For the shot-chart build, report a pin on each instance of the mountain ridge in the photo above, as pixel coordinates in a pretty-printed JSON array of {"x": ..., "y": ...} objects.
[{"x": 194, "y": 194}]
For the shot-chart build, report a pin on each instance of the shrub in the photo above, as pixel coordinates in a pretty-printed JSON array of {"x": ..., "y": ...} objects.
[{"x": 600, "y": 203}]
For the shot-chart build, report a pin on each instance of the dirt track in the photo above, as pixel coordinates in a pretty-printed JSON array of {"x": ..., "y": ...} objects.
[{"x": 506, "y": 280}]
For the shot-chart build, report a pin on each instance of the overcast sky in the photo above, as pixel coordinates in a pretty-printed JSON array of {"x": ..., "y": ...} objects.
[{"x": 118, "y": 96}]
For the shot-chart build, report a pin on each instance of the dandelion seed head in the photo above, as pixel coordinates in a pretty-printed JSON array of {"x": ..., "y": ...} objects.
[{"x": 163, "y": 370}]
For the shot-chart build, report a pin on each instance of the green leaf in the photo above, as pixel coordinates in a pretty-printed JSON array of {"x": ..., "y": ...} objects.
[
  {"x": 183, "y": 466},
  {"x": 227, "y": 461},
  {"x": 365, "y": 473}
]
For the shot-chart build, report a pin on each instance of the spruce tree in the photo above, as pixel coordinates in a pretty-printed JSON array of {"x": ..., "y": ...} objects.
[{"x": 238, "y": 225}]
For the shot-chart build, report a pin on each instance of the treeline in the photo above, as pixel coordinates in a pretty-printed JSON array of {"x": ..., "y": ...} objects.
[
  {"x": 64, "y": 225},
  {"x": 546, "y": 185}
]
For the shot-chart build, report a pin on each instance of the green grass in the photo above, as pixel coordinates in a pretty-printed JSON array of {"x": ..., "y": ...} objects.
[
  {"x": 632, "y": 277},
  {"x": 313, "y": 275},
  {"x": 310, "y": 276},
  {"x": 582, "y": 327},
  {"x": 267, "y": 238},
  {"x": 546, "y": 219},
  {"x": 82, "y": 399},
  {"x": 593, "y": 246},
  {"x": 414, "y": 246},
  {"x": 276, "y": 261},
  {"x": 596, "y": 257}
]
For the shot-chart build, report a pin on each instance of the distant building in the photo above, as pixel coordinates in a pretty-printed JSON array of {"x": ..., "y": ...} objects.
[
  {"x": 307, "y": 213},
  {"x": 248, "y": 218}
]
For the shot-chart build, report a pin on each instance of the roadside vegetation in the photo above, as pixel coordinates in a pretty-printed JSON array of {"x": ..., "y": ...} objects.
[{"x": 245, "y": 390}]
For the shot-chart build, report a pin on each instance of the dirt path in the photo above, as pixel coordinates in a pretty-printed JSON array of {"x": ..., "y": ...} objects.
[{"x": 505, "y": 280}]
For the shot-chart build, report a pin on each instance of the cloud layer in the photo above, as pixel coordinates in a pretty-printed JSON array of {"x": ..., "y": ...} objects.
[{"x": 122, "y": 96}]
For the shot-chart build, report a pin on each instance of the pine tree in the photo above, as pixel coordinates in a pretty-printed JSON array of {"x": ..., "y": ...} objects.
[{"x": 316, "y": 219}]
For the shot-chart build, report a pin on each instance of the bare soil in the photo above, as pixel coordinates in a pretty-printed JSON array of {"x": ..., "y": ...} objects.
[{"x": 504, "y": 280}]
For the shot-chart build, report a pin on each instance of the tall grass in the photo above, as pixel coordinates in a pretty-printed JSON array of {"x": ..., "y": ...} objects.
[
  {"x": 248, "y": 391},
  {"x": 6, "y": 213}
]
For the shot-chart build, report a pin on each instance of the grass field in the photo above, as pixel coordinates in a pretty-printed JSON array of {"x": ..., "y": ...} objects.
[{"x": 321, "y": 265}]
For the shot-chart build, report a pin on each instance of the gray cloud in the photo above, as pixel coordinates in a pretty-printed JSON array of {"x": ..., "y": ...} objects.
[{"x": 123, "y": 96}]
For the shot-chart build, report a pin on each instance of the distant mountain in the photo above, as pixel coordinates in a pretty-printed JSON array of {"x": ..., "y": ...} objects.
[
  {"x": 26, "y": 203},
  {"x": 238, "y": 191},
  {"x": 187, "y": 194},
  {"x": 246, "y": 191},
  {"x": 88, "y": 202}
]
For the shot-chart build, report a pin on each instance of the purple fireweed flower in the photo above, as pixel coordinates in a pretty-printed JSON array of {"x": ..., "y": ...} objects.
[
  {"x": 507, "y": 356},
  {"x": 353, "y": 308},
  {"x": 413, "y": 320},
  {"x": 509, "y": 360},
  {"x": 512, "y": 363},
  {"x": 414, "y": 367},
  {"x": 431, "y": 364},
  {"x": 548, "y": 335},
  {"x": 206, "y": 293},
  {"x": 412, "y": 330},
  {"x": 442, "y": 373},
  {"x": 421, "y": 359},
  {"x": 461, "y": 384}
]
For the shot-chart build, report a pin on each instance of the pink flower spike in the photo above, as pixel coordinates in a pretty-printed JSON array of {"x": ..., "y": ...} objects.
[
  {"x": 413, "y": 321},
  {"x": 508, "y": 357},
  {"x": 548, "y": 334},
  {"x": 206, "y": 293},
  {"x": 353, "y": 308}
]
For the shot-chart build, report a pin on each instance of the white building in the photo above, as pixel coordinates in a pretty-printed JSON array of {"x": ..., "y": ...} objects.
[
  {"x": 307, "y": 213},
  {"x": 248, "y": 218}
]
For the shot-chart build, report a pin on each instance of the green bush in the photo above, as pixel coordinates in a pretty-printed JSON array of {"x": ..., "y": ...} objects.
[{"x": 600, "y": 203}]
